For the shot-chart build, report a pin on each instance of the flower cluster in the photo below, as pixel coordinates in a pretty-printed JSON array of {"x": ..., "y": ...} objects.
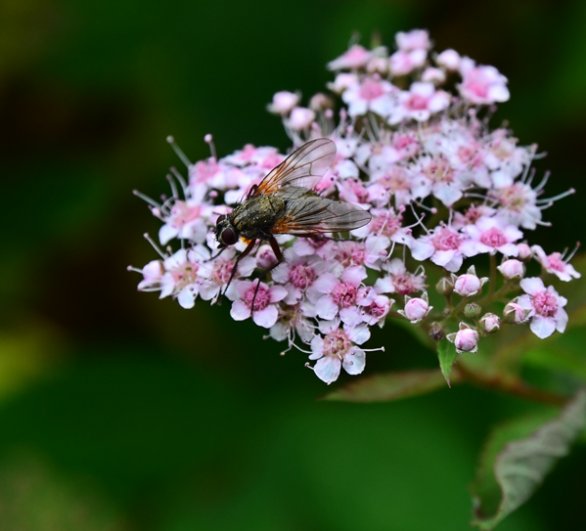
[{"x": 415, "y": 149}]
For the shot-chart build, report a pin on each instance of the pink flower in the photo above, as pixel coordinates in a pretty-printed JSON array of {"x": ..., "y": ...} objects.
[
  {"x": 518, "y": 202},
  {"x": 555, "y": 264},
  {"x": 416, "y": 309},
  {"x": 491, "y": 235},
  {"x": 403, "y": 62},
  {"x": 465, "y": 339},
  {"x": 336, "y": 350},
  {"x": 339, "y": 294},
  {"x": 283, "y": 102},
  {"x": 298, "y": 275},
  {"x": 152, "y": 274},
  {"x": 371, "y": 94},
  {"x": 515, "y": 313},
  {"x": 469, "y": 284},
  {"x": 482, "y": 85},
  {"x": 185, "y": 221},
  {"x": 512, "y": 268},
  {"x": 490, "y": 322},
  {"x": 399, "y": 280},
  {"x": 444, "y": 247},
  {"x": 215, "y": 274},
  {"x": 181, "y": 278},
  {"x": 356, "y": 57},
  {"x": 438, "y": 177},
  {"x": 245, "y": 293},
  {"x": 300, "y": 119},
  {"x": 545, "y": 306},
  {"x": 292, "y": 324},
  {"x": 373, "y": 307},
  {"x": 419, "y": 103},
  {"x": 449, "y": 59},
  {"x": 413, "y": 40}
]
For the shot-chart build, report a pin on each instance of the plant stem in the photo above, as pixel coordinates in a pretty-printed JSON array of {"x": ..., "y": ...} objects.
[{"x": 510, "y": 386}]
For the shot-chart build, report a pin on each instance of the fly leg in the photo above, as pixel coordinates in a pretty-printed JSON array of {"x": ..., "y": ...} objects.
[
  {"x": 277, "y": 250},
  {"x": 235, "y": 268},
  {"x": 279, "y": 256}
]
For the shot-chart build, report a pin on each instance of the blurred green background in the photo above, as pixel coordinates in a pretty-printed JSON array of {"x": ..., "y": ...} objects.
[{"x": 121, "y": 412}]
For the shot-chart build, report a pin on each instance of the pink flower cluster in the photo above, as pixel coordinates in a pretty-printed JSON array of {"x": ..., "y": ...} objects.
[{"x": 414, "y": 148}]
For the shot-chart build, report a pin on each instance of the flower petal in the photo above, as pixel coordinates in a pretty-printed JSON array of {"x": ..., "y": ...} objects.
[
  {"x": 328, "y": 368},
  {"x": 354, "y": 362},
  {"x": 542, "y": 327}
]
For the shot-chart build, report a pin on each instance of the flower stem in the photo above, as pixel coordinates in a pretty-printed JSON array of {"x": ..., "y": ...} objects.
[{"x": 510, "y": 386}]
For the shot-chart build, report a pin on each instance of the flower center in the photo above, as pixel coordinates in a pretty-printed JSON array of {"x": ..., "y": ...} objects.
[
  {"x": 403, "y": 284},
  {"x": 396, "y": 181},
  {"x": 417, "y": 102},
  {"x": 351, "y": 254},
  {"x": 555, "y": 262},
  {"x": 181, "y": 214},
  {"x": 336, "y": 343},
  {"x": 302, "y": 276},
  {"x": 344, "y": 294},
  {"x": 371, "y": 90},
  {"x": 493, "y": 237},
  {"x": 545, "y": 304},
  {"x": 512, "y": 197},
  {"x": 386, "y": 224},
  {"x": 222, "y": 271},
  {"x": 439, "y": 171},
  {"x": 185, "y": 274},
  {"x": 261, "y": 299},
  {"x": 446, "y": 240}
]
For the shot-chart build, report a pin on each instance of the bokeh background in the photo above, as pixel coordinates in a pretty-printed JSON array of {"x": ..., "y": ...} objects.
[{"x": 122, "y": 412}]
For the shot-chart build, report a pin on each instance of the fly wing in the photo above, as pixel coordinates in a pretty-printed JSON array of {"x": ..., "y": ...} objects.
[
  {"x": 308, "y": 214},
  {"x": 302, "y": 168}
]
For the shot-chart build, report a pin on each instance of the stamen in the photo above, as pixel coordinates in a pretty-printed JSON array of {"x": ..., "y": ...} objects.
[
  {"x": 572, "y": 253},
  {"x": 133, "y": 269},
  {"x": 173, "y": 186},
  {"x": 209, "y": 140},
  {"x": 550, "y": 200},
  {"x": 154, "y": 245},
  {"x": 539, "y": 188},
  {"x": 146, "y": 199},
  {"x": 178, "y": 151},
  {"x": 180, "y": 179}
]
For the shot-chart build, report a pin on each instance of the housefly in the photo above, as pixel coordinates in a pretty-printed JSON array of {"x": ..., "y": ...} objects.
[{"x": 284, "y": 203}]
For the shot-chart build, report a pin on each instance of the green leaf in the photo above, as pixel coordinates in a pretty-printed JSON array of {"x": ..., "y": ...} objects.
[
  {"x": 389, "y": 386},
  {"x": 518, "y": 456},
  {"x": 446, "y": 353}
]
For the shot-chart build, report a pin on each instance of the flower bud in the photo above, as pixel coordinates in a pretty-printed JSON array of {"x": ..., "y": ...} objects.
[
  {"x": 301, "y": 118},
  {"x": 320, "y": 101},
  {"x": 449, "y": 59},
  {"x": 378, "y": 65},
  {"x": 445, "y": 286},
  {"x": 515, "y": 313},
  {"x": 524, "y": 251},
  {"x": 416, "y": 309},
  {"x": 467, "y": 285},
  {"x": 436, "y": 331},
  {"x": 152, "y": 274},
  {"x": 265, "y": 258},
  {"x": 472, "y": 310},
  {"x": 490, "y": 322},
  {"x": 512, "y": 268},
  {"x": 466, "y": 339},
  {"x": 283, "y": 102}
]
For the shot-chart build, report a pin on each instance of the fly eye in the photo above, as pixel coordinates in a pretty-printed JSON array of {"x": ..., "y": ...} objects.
[{"x": 228, "y": 236}]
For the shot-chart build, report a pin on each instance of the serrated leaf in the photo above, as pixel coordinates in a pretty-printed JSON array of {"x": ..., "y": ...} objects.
[
  {"x": 389, "y": 386},
  {"x": 519, "y": 461},
  {"x": 446, "y": 353}
]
